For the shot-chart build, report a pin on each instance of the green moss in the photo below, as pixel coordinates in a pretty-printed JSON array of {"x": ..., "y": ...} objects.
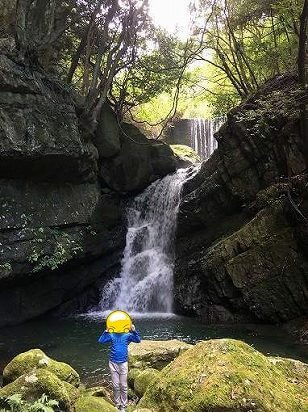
[
  {"x": 37, "y": 359},
  {"x": 296, "y": 373},
  {"x": 143, "y": 380},
  {"x": 93, "y": 404},
  {"x": 185, "y": 153},
  {"x": 5, "y": 269},
  {"x": 51, "y": 248},
  {"x": 222, "y": 374},
  {"x": 33, "y": 385},
  {"x": 99, "y": 392},
  {"x": 132, "y": 375}
]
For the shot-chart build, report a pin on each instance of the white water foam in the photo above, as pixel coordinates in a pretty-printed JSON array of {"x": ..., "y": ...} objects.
[{"x": 145, "y": 284}]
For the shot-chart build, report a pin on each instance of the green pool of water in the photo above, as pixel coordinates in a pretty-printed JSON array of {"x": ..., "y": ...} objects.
[{"x": 74, "y": 340}]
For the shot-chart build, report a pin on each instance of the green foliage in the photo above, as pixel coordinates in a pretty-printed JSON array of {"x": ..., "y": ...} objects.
[
  {"x": 51, "y": 249},
  {"x": 5, "y": 268},
  {"x": 246, "y": 43},
  {"x": 14, "y": 403},
  {"x": 242, "y": 44},
  {"x": 111, "y": 51}
]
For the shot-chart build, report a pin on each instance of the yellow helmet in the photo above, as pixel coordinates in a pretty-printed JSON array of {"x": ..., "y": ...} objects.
[{"x": 118, "y": 321}]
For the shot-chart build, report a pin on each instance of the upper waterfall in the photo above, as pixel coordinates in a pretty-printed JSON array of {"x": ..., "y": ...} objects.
[
  {"x": 145, "y": 283},
  {"x": 202, "y": 135},
  {"x": 198, "y": 133}
]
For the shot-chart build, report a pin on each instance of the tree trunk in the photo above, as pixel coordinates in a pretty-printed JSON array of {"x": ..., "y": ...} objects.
[
  {"x": 22, "y": 7},
  {"x": 303, "y": 77}
]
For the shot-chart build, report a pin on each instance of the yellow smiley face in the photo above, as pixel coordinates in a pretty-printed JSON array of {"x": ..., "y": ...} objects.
[{"x": 118, "y": 322}]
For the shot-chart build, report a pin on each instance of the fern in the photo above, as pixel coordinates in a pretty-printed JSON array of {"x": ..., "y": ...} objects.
[{"x": 14, "y": 403}]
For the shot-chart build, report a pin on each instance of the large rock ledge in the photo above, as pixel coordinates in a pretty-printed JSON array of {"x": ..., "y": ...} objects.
[
  {"x": 242, "y": 250},
  {"x": 214, "y": 375}
]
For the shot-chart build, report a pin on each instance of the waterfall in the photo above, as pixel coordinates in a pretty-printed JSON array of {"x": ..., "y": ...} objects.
[
  {"x": 145, "y": 283},
  {"x": 202, "y": 135}
]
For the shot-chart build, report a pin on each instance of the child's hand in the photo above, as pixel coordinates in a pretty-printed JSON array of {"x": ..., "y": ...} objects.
[{"x": 133, "y": 329}]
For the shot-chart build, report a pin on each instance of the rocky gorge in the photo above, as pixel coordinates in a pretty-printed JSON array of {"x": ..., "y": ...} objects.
[
  {"x": 241, "y": 249},
  {"x": 241, "y": 244}
]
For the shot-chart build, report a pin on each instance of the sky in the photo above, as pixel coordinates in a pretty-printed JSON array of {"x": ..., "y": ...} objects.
[{"x": 172, "y": 15}]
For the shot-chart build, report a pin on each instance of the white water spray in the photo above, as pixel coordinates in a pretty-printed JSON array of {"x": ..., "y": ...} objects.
[
  {"x": 202, "y": 135},
  {"x": 145, "y": 283}
]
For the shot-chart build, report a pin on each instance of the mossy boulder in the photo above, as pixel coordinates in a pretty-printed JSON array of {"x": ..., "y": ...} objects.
[
  {"x": 36, "y": 359},
  {"x": 155, "y": 354},
  {"x": 132, "y": 375},
  {"x": 223, "y": 375},
  {"x": 100, "y": 392},
  {"x": 32, "y": 385},
  {"x": 185, "y": 153},
  {"x": 143, "y": 379},
  {"x": 93, "y": 404}
]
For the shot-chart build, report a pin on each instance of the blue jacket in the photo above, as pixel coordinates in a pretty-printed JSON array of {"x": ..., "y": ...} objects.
[{"x": 119, "y": 344}]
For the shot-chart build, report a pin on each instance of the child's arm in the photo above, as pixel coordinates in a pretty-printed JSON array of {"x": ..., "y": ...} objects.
[
  {"x": 133, "y": 335},
  {"x": 105, "y": 337}
]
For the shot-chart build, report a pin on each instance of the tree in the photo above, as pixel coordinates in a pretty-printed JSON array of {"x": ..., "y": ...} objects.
[
  {"x": 39, "y": 24},
  {"x": 102, "y": 48},
  {"x": 303, "y": 76},
  {"x": 247, "y": 42}
]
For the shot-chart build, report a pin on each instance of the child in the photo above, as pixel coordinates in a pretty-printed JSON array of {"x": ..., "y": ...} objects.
[{"x": 118, "y": 362}]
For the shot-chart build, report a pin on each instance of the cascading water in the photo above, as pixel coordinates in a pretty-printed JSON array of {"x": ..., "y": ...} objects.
[
  {"x": 202, "y": 135},
  {"x": 145, "y": 283}
]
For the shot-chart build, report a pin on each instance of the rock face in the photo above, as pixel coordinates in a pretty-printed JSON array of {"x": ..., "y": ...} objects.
[
  {"x": 62, "y": 230},
  {"x": 39, "y": 129},
  {"x": 227, "y": 375},
  {"x": 242, "y": 250}
]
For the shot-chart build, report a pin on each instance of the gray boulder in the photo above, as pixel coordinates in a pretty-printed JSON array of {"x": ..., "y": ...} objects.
[{"x": 139, "y": 162}]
